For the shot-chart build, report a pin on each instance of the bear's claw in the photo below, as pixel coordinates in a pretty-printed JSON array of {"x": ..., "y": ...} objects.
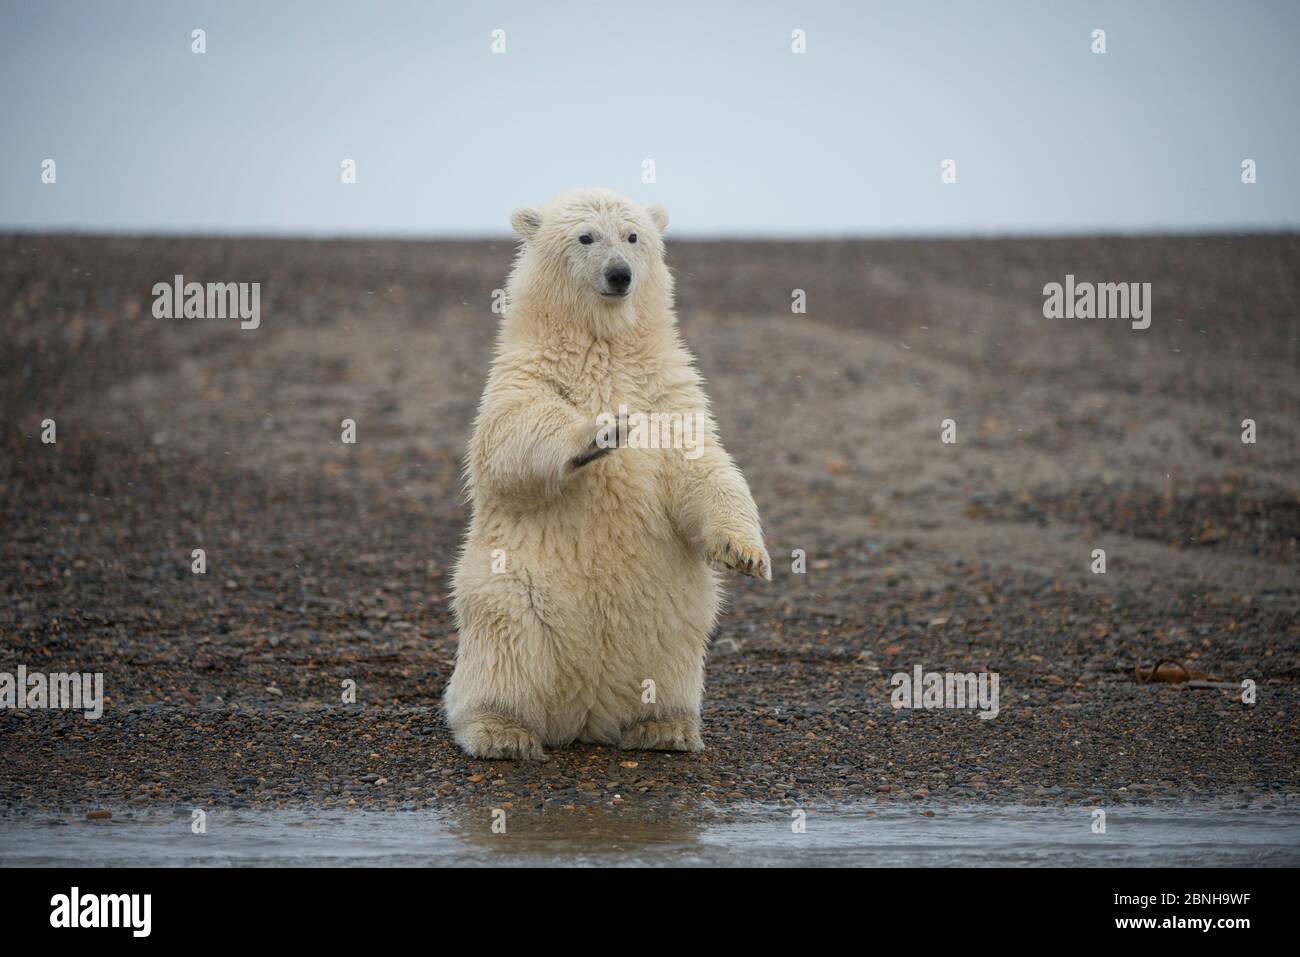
[{"x": 592, "y": 453}]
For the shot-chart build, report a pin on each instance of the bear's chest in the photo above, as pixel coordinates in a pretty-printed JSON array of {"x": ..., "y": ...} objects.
[{"x": 601, "y": 381}]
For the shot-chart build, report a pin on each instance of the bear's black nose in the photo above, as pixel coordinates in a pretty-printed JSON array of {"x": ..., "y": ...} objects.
[{"x": 618, "y": 277}]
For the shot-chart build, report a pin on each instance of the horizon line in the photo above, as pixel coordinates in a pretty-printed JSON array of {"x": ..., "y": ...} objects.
[{"x": 702, "y": 236}]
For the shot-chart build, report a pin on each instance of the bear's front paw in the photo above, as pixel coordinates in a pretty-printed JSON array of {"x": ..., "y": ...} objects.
[
  {"x": 608, "y": 438},
  {"x": 496, "y": 736},
  {"x": 748, "y": 558}
]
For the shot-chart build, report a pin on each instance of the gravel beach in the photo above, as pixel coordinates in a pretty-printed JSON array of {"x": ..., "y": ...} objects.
[{"x": 329, "y": 563}]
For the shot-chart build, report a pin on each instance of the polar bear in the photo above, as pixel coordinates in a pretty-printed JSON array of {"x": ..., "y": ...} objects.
[{"x": 586, "y": 589}]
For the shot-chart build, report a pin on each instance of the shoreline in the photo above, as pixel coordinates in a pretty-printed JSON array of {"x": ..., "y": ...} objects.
[{"x": 1203, "y": 835}]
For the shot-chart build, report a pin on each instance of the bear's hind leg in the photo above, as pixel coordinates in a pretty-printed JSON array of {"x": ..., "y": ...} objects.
[
  {"x": 680, "y": 733},
  {"x": 503, "y": 698}
]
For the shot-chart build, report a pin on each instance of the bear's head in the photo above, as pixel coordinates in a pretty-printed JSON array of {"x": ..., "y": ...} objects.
[{"x": 592, "y": 256}]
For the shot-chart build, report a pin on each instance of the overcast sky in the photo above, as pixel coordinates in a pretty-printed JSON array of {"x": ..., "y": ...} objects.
[{"x": 747, "y": 137}]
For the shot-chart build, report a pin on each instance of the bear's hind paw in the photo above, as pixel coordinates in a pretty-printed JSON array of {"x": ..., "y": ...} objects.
[
  {"x": 680, "y": 734},
  {"x": 498, "y": 737}
]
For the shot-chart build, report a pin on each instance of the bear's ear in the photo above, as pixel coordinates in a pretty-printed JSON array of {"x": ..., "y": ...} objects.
[
  {"x": 659, "y": 215},
  {"x": 526, "y": 222}
]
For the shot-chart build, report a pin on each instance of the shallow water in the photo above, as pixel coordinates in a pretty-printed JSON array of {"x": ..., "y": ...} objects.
[{"x": 871, "y": 836}]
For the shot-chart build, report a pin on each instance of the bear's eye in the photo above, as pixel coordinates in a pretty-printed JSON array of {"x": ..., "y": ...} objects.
[
  {"x": 632, "y": 238},
  {"x": 585, "y": 239}
]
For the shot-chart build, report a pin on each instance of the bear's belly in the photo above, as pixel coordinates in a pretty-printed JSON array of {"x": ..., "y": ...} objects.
[
  {"x": 624, "y": 610},
  {"x": 608, "y": 578}
]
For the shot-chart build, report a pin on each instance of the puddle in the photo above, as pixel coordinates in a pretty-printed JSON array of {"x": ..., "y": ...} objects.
[{"x": 756, "y": 836}]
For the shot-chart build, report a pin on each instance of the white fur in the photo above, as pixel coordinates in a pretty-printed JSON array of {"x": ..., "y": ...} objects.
[{"x": 607, "y": 580}]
